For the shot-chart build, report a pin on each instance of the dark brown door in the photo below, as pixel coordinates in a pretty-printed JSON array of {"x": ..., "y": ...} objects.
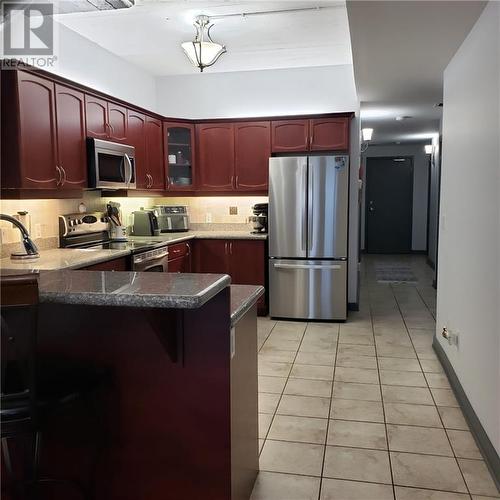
[
  {"x": 96, "y": 111},
  {"x": 252, "y": 151},
  {"x": 38, "y": 148},
  {"x": 329, "y": 134},
  {"x": 117, "y": 120},
  {"x": 215, "y": 144},
  {"x": 72, "y": 154},
  {"x": 136, "y": 130},
  {"x": 179, "y": 265},
  {"x": 289, "y": 135},
  {"x": 389, "y": 201},
  {"x": 247, "y": 262},
  {"x": 212, "y": 256},
  {"x": 154, "y": 152}
]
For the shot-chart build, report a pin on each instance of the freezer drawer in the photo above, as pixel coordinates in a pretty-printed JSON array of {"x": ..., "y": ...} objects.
[{"x": 308, "y": 289}]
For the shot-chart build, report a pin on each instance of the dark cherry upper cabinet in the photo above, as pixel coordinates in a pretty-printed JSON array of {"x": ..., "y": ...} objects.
[
  {"x": 136, "y": 130},
  {"x": 154, "y": 152},
  {"x": 215, "y": 147},
  {"x": 37, "y": 140},
  {"x": 97, "y": 117},
  {"x": 252, "y": 142},
  {"x": 117, "y": 120},
  {"x": 180, "y": 156},
  {"x": 288, "y": 136},
  {"x": 71, "y": 147},
  {"x": 329, "y": 134}
]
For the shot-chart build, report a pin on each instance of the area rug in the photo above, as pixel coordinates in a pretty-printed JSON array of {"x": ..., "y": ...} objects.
[{"x": 395, "y": 274}]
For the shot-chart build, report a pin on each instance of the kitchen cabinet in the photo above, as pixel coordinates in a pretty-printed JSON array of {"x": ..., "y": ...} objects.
[
  {"x": 243, "y": 260},
  {"x": 179, "y": 258},
  {"x": 215, "y": 148},
  {"x": 136, "y": 130},
  {"x": 154, "y": 152},
  {"x": 179, "y": 156},
  {"x": 105, "y": 120},
  {"x": 71, "y": 147},
  {"x": 317, "y": 134},
  {"x": 119, "y": 264},
  {"x": 252, "y": 141}
]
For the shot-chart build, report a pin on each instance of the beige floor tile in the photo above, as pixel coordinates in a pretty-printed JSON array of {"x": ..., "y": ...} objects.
[
  {"x": 411, "y": 414},
  {"x": 277, "y": 356},
  {"x": 393, "y": 351},
  {"x": 425, "y": 440},
  {"x": 274, "y": 385},
  {"x": 427, "y": 471},
  {"x": 416, "y": 395},
  {"x": 316, "y": 358},
  {"x": 292, "y": 458},
  {"x": 419, "y": 494},
  {"x": 273, "y": 369},
  {"x": 431, "y": 366},
  {"x": 393, "y": 341},
  {"x": 304, "y": 406},
  {"x": 357, "y": 434},
  {"x": 358, "y": 375},
  {"x": 282, "y": 345},
  {"x": 444, "y": 397},
  {"x": 348, "y": 390},
  {"x": 337, "y": 489},
  {"x": 425, "y": 353},
  {"x": 407, "y": 365},
  {"x": 350, "y": 409},
  {"x": 277, "y": 486},
  {"x": 313, "y": 345},
  {"x": 463, "y": 444},
  {"x": 296, "y": 327},
  {"x": 356, "y": 361},
  {"x": 453, "y": 418},
  {"x": 357, "y": 464},
  {"x": 405, "y": 378},
  {"x": 264, "y": 423},
  {"x": 477, "y": 477},
  {"x": 356, "y": 338},
  {"x": 331, "y": 329},
  {"x": 284, "y": 334},
  {"x": 268, "y": 402},
  {"x": 301, "y": 429},
  {"x": 261, "y": 444},
  {"x": 304, "y": 387},
  {"x": 437, "y": 381},
  {"x": 356, "y": 350},
  {"x": 312, "y": 371}
]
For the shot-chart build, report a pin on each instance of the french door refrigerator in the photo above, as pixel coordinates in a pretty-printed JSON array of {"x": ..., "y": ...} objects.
[{"x": 308, "y": 217}]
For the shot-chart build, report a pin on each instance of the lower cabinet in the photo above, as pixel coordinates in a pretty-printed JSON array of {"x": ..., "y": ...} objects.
[
  {"x": 243, "y": 260},
  {"x": 120, "y": 264},
  {"x": 179, "y": 258}
]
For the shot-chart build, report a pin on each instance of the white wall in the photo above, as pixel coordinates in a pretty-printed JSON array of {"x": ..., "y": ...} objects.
[
  {"x": 85, "y": 62},
  {"x": 469, "y": 233},
  {"x": 258, "y": 93},
  {"x": 420, "y": 188}
]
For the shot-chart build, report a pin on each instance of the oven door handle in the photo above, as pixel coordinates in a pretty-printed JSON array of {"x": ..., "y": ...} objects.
[
  {"x": 129, "y": 167},
  {"x": 150, "y": 259}
]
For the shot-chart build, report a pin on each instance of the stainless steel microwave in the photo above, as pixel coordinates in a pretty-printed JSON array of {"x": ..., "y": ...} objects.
[{"x": 111, "y": 165}]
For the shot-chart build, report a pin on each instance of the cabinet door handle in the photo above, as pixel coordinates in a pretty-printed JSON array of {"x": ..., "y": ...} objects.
[
  {"x": 111, "y": 127},
  {"x": 236, "y": 184},
  {"x": 64, "y": 176},
  {"x": 231, "y": 248},
  {"x": 225, "y": 248},
  {"x": 232, "y": 180},
  {"x": 188, "y": 246},
  {"x": 59, "y": 173},
  {"x": 152, "y": 180}
]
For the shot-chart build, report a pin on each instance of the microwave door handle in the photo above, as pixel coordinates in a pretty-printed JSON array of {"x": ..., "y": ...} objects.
[{"x": 129, "y": 166}]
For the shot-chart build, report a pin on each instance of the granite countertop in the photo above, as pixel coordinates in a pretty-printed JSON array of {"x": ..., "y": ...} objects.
[
  {"x": 171, "y": 238},
  {"x": 243, "y": 297},
  {"x": 130, "y": 289}
]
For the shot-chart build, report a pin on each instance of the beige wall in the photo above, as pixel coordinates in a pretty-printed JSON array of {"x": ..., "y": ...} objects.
[{"x": 43, "y": 213}]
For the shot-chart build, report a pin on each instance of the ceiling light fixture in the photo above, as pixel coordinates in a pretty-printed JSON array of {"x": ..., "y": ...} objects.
[
  {"x": 203, "y": 51},
  {"x": 428, "y": 149}
]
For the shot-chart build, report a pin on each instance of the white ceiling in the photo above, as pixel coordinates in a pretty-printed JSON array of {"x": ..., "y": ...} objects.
[
  {"x": 149, "y": 35},
  {"x": 400, "y": 50}
]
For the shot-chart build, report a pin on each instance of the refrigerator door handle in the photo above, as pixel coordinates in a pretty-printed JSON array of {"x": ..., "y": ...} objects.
[
  {"x": 306, "y": 266},
  {"x": 310, "y": 203},
  {"x": 304, "y": 210}
]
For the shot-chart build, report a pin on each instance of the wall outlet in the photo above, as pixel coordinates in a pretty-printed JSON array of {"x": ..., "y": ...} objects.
[
  {"x": 233, "y": 210},
  {"x": 208, "y": 217},
  {"x": 37, "y": 233}
]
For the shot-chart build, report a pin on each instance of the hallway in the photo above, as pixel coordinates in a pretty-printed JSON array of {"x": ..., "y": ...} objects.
[{"x": 363, "y": 410}]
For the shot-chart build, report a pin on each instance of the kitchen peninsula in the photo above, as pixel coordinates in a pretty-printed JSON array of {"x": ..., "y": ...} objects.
[{"x": 175, "y": 413}]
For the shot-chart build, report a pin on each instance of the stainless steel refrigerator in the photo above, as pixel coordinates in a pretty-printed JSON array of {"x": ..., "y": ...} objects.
[{"x": 308, "y": 219}]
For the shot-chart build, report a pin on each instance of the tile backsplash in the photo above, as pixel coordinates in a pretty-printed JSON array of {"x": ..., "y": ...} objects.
[{"x": 43, "y": 214}]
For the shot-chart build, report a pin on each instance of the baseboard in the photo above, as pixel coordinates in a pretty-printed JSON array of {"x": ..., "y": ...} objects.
[
  {"x": 353, "y": 306},
  {"x": 419, "y": 252},
  {"x": 431, "y": 264},
  {"x": 483, "y": 441}
]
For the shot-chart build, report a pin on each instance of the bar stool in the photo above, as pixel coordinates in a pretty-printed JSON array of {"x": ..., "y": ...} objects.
[{"x": 21, "y": 404}]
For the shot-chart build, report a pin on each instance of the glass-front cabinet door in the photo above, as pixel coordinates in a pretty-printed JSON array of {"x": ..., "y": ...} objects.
[{"x": 179, "y": 140}]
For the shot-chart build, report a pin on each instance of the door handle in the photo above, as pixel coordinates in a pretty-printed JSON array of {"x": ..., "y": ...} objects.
[
  {"x": 129, "y": 165},
  {"x": 59, "y": 173},
  {"x": 310, "y": 222},
  {"x": 305, "y": 266},
  {"x": 304, "y": 211}
]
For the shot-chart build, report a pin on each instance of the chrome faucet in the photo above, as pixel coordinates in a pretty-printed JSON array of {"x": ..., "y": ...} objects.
[{"x": 29, "y": 245}]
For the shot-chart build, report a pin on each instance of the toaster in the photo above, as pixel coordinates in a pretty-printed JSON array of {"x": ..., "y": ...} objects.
[
  {"x": 144, "y": 223},
  {"x": 172, "y": 219}
]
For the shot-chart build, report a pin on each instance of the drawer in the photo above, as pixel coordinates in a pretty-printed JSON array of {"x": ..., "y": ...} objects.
[{"x": 179, "y": 250}]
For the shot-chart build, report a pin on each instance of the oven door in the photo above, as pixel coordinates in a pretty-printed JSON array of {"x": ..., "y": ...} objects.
[
  {"x": 154, "y": 261},
  {"x": 112, "y": 165}
]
